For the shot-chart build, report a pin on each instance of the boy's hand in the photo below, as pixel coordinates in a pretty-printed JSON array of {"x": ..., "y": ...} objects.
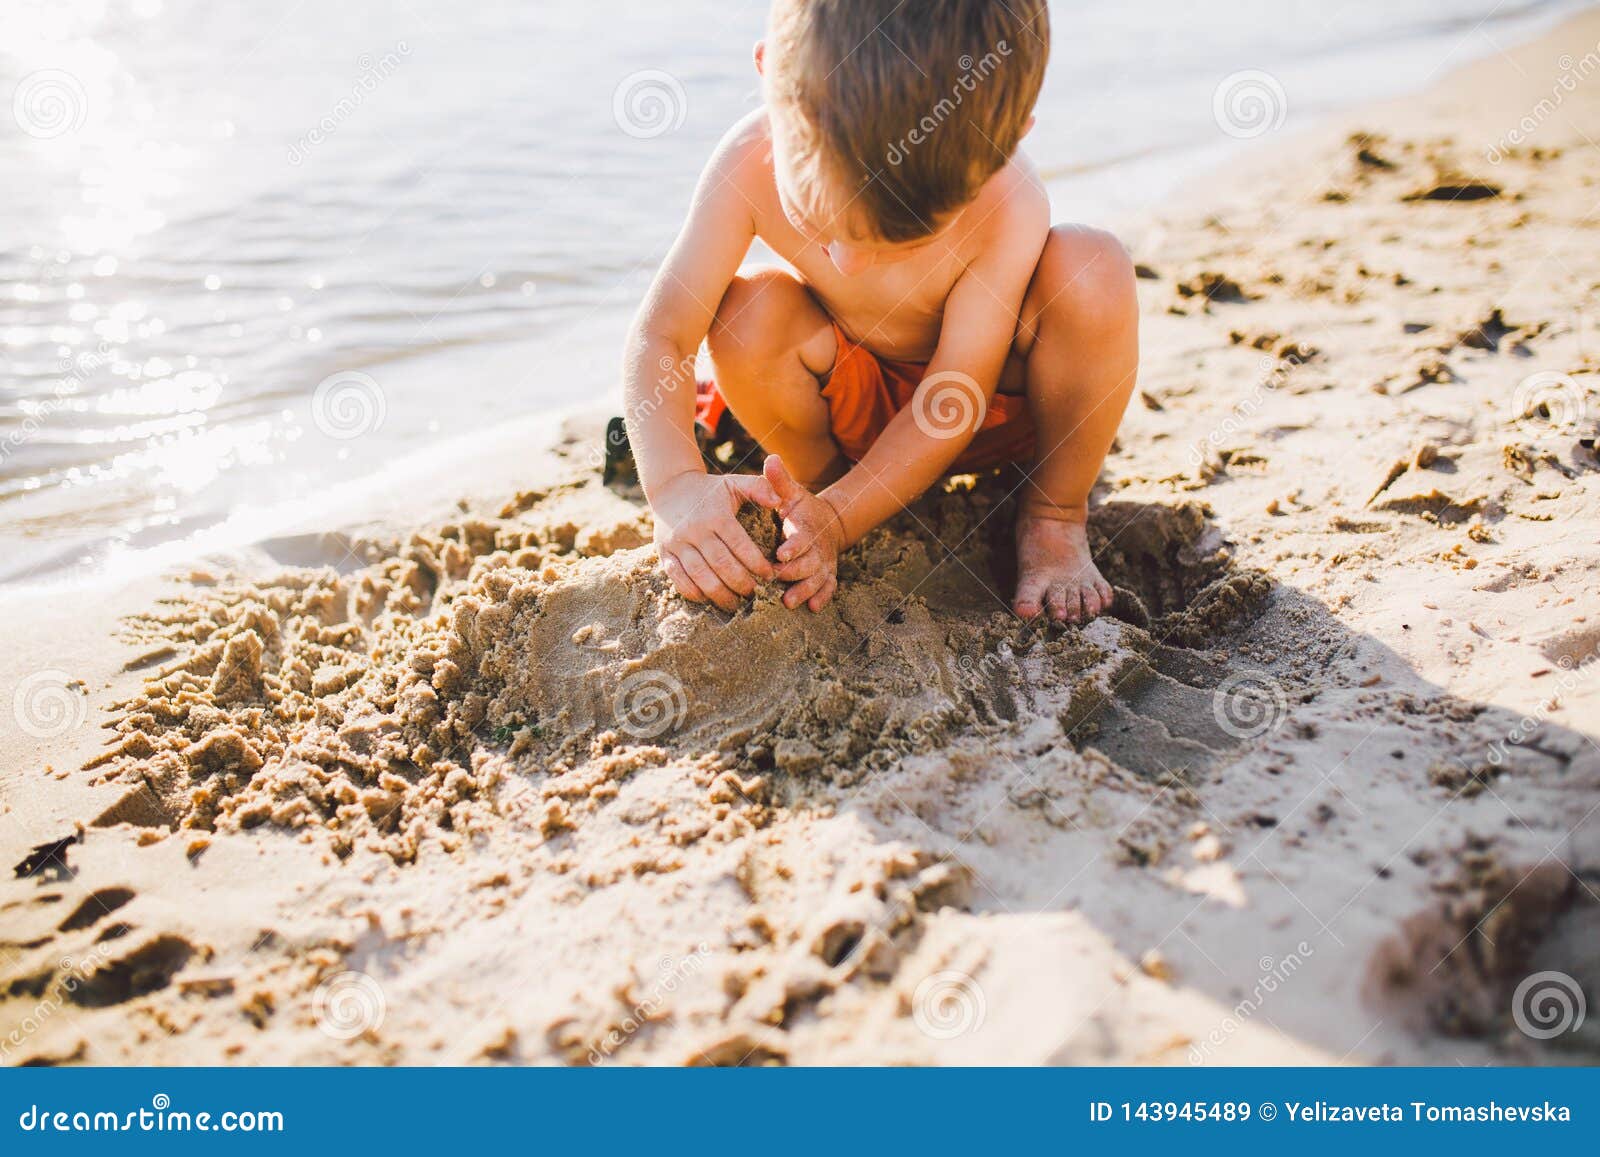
[
  {"x": 813, "y": 536},
  {"x": 705, "y": 552}
]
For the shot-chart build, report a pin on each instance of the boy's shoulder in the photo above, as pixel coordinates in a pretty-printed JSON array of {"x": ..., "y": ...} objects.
[
  {"x": 745, "y": 150},
  {"x": 1015, "y": 195},
  {"x": 1009, "y": 220},
  {"x": 1013, "y": 202}
]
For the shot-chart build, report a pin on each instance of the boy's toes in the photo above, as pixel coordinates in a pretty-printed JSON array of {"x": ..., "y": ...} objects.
[
  {"x": 1030, "y": 596},
  {"x": 1065, "y": 606},
  {"x": 1092, "y": 605},
  {"x": 1107, "y": 595}
]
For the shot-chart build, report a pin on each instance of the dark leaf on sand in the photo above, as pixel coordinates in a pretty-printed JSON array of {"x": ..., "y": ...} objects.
[
  {"x": 1456, "y": 190},
  {"x": 51, "y": 855}
]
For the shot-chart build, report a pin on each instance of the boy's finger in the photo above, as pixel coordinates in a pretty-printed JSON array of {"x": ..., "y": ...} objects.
[
  {"x": 680, "y": 579},
  {"x": 746, "y": 551},
  {"x": 730, "y": 570},
  {"x": 823, "y": 597},
  {"x": 796, "y": 542},
  {"x": 754, "y": 488},
  {"x": 708, "y": 582},
  {"x": 800, "y": 566},
  {"x": 783, "y": 484},
  {"x": 803, "y": 590}
]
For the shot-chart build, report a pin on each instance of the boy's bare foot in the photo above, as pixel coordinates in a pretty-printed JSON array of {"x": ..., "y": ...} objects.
[{"x": 1054, "y": 570}]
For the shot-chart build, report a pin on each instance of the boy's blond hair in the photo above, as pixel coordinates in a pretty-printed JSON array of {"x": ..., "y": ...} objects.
[{"x": 905, "y": 107}]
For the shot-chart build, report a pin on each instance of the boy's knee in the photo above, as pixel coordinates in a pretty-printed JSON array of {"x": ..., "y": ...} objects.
[
  {"x": 751, "y": 321},
  {"x": 1085, "y": 282}
]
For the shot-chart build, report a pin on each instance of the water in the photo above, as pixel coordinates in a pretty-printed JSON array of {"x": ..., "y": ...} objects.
[{"x": 445, "y": 212}]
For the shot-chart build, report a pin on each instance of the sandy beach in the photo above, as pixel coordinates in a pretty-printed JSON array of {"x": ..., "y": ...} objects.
[{"x": 458, "y": 779}]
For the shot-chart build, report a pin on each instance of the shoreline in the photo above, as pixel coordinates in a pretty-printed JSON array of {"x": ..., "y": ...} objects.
[
  {"x": 1309, "y": 800},
  {"x": 1174, "y": 171}
]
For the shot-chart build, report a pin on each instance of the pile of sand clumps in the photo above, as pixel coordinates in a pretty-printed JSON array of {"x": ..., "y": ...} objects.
[{"x": 503, "y": 663}]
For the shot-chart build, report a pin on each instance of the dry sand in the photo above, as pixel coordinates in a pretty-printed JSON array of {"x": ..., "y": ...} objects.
[{"x": 479, "y": 788}]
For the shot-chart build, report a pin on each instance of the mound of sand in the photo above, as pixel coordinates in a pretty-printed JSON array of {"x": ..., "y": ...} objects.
[{"x": 391, "y": 705}]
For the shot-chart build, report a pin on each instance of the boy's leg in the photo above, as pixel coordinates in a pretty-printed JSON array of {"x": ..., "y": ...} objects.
[
  {"x": 772, "y": 346},
  {"x": 1078, "y": 348}
]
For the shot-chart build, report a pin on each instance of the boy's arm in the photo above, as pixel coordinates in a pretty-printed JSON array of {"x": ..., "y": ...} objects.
[
  {"x": 921, "y": 442},
  {"x": 703, "y": 548}
]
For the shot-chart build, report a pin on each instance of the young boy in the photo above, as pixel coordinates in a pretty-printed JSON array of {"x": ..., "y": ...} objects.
[{"x": 930, "y": 320}]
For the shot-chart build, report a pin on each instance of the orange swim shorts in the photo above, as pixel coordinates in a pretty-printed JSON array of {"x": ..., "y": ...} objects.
[{"x": 864, "y": 391}]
